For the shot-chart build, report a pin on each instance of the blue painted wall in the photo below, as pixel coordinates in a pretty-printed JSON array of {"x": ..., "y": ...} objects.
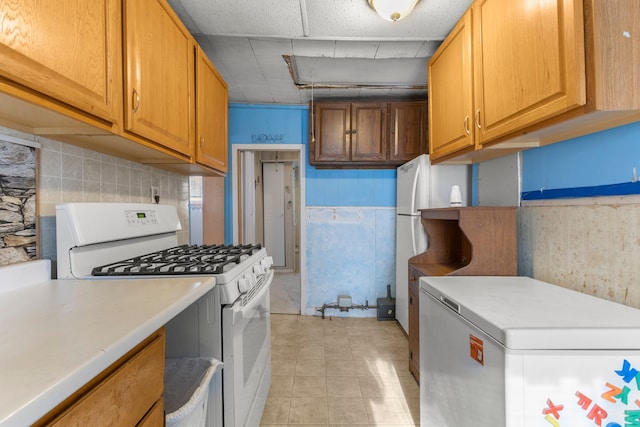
[
  {"x": 324, "y": 187},
  {"x": 598, "y": 164},
  {"x": 350, "y": 249}
]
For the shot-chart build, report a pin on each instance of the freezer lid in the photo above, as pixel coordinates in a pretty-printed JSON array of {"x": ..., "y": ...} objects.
[{"x": 527, "y": 314}]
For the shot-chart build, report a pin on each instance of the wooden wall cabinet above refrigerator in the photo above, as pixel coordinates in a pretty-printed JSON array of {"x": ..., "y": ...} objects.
[
  {"x": 529, "y": 76},
  {"x": 368, "y": 134},
  {"x": 127, "y": 87}
]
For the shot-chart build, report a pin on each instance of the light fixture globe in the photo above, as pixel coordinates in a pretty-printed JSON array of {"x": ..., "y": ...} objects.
[{"x": 393, "y": 10}]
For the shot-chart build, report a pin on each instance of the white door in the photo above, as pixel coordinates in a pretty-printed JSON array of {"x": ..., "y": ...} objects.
[
  {"x": 273, "y": 189},
  {"x": 248, "y": 197}
]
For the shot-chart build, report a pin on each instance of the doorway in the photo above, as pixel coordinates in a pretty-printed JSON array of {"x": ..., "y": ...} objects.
[{"x": 268, "y": 206}]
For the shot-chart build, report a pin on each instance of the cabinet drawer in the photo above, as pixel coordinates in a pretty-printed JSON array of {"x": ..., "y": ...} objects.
[
  {"x": 123, "y": 397},
  {"x": 155, "y": 417}
]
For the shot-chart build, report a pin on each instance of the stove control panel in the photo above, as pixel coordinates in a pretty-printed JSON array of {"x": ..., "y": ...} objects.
[
  {"x": 141, "y": 217},
  {"x": 247, "y": 282}
]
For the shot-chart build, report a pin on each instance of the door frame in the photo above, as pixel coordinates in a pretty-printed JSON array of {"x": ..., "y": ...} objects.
[{"x": 235, "y": 208}]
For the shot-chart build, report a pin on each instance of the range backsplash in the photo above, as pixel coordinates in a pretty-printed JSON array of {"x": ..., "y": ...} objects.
[{"x": 18, "y": 235}]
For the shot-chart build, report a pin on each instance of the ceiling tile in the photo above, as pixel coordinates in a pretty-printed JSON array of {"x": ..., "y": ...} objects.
[{"x": 246, "y": 39}]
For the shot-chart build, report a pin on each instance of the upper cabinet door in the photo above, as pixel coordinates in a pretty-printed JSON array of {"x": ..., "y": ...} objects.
[
  {"x": 529, "y": 63},
  {"x": 66, "y": 49},
  {"x": 407, "y": 130},
  {"x": 368, "y": 131},
  {"x": 212, "y": 115},
  {"x": 450, "y": 74},
  {"x": 332, "y": 132},
  {"x": 159, "y": 83}
]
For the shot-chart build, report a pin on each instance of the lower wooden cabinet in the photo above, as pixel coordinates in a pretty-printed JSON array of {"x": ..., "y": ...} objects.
[
  {"x": 128, "y": 393},
  {"x": 414, "y": 323}
]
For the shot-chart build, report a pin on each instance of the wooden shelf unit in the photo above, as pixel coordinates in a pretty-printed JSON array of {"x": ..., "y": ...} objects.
[{"x": 467, "y": 241}]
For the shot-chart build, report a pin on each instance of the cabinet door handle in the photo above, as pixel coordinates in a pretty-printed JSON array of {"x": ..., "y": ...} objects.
[
  {"x": 478, "y": 119},
  {"x": 136, "y": 101},
  {"x": 201, "y": 142},
  {"x": 466, "y": 125},
  {"x": 347, "y": 132},
  {"x": 354, "y": 131}
]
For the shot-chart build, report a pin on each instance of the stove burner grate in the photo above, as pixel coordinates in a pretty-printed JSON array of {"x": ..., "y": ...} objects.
[{"x": 184, "y": 259}]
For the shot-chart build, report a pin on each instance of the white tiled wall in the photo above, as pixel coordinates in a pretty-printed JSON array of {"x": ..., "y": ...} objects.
[{"x": 72, "y": 174}]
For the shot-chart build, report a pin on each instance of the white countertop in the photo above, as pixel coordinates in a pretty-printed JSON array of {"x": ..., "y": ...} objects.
[{"x": 57, "y": 335}]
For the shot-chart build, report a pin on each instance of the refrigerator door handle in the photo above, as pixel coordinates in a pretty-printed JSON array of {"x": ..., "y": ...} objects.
[
  {"x": 418, "y": 236},
  {"x": 414, "y": 242},
  {"x": 415, "y": 197}
]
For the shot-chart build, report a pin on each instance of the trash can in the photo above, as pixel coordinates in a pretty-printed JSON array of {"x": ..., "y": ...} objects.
[{"x": 186, "y": 390}]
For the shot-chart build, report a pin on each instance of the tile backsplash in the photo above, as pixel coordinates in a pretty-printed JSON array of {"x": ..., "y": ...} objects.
[{"x": 72, "y": 174}]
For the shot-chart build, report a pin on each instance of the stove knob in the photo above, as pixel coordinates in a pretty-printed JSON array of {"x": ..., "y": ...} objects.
[
  {"x": 244, "y": 284},
  {"x": 267, "y": 262},
  {"x": 258, "y": 269}
]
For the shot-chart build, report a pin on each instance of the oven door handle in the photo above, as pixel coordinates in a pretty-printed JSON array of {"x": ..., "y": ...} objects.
[{"x": 256, "y": 298}]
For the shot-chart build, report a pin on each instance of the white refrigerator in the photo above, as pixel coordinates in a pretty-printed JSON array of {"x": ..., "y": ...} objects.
[
  {"x": 420, "y": 185},
  {"x": 518, "y": 352}
]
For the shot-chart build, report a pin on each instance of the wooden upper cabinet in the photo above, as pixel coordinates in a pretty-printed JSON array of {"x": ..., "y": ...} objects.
[
  {"x": 506, "y": 65},
  {"x": 211, "y": 115},
  {"x": 540, "y": 72},
  {"x": 331, "y": 138},
  {"x": 368, "y": 131},
  {"x": 367, "y": 134},
  {"x": 69, "y": 50},
  {"x": 407, "y": 130},
  {"x": 349, "y": 133},
  {"x": 450, "y": 75},
  {"x": 529, "y": 63},
  {"x": 159, "y": 75}
]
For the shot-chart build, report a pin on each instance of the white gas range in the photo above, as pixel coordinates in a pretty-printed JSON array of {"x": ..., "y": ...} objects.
[{"x": 120, "y": 240}]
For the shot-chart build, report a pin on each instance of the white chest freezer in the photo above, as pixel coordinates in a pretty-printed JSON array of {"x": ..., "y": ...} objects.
[{"x": 518, "y": 352}]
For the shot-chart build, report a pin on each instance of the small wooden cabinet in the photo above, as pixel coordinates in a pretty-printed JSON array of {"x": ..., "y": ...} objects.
[
  {"x": 128, "y": 393},
  {"x": 414, "y": 322},
  {"x": 468, "y": 241},
  {"x": 159, "y": 75},
  {"x": 346, "y": 132},
  {"x": 211, "y": 115},
  {"x": 366, "y": 134},
  {"x": 69, "y": 50},
  {"x": 575, "y": 78}
]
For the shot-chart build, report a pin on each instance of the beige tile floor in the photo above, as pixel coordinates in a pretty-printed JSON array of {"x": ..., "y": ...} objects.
[{"x": 337, "y": 371}]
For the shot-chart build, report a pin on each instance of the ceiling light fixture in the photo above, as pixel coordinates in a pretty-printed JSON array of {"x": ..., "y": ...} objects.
[{"x": 393, "y": 10}]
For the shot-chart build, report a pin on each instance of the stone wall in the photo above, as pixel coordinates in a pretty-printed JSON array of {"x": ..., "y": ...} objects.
[{"x": 17, "y": 203}]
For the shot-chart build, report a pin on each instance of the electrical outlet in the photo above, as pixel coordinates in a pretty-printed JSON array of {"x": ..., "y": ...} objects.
[{"x": 155, "y": 194}]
